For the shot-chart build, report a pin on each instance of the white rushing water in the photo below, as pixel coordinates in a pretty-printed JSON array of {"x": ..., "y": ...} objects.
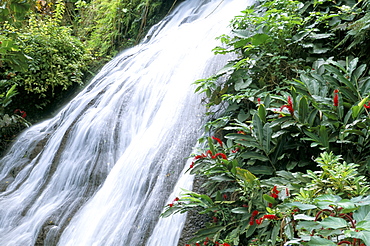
[{"x": 100, "y": 171}]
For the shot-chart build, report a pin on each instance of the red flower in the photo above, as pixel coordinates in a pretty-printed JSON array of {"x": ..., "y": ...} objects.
[
  {"x": 336, "y": 98},
  {"x": 214, "y": 219},
  {"x": 197, "y": 244},
  {"x": 192, "y": 165},
  {"x": 23, "y": 114},
  {"x": 275, "y": 190},
  {"x": 170, "y": 205},
  {"x": 251, "y": 220},
  {"x": 259, "y": 221},
  {"x": 368, "y": 105},
  {"x": 222, "y": 155},
  {"x": 176, "y": 199},
  {"x": 218, "y": 140},
  {"x": 225, "y": 244},
  {"x": 288, "y": 106},
  {"x": 199, "y": 156},
  {"x": 287, "y": 192},
  {"x": 270, "y": 217},
  {"x": 209, "y": 152},
  {"x": 274, "y": 195},
  {"x": 235, "y": 150},
  {"x": 290, "y": 102},
  {"x": 225, "y": 196},
  {"x": 259, "y": 100}
]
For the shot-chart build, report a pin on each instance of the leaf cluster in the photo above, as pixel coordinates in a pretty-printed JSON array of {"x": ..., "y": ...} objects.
[{"x": 296, "y": 91}]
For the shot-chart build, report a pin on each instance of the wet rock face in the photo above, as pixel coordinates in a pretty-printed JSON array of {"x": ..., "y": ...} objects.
[
  {"x": 5, "y": 183},
  {"x": 194, "y": 220}
]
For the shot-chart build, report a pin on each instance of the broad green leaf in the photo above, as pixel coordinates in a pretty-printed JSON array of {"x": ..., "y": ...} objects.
[
  {"x": 267, "y": 133},
  {"x": 318, "y": 241},
  {"x": 301, "y": 206},
  {"x": 254, "y": 155},
  {"x": 363, "y": 225},
  {"x": 245, "y": 175},
  {"x": 362, "y": 213},
  {"x": 269, "y": 199},
  {"x": 240, "y": 210},
  {"x": 261, "y": 169},
  {"x": 211, "y": 146},
  {"x": 324, "y": 139},
  {"x": 258, "y": 128},
  {"x": 275, "y": 233},
  {"x": 363, "y": 235},
  {"x": 333, "y": 223},
  {"x": 303, "y": 110},
  {"x": 242, "y": 116},
  {"x": 207, "y": 232},
  {"x": 259, "y": 38},
  {"x": 340, "y": 76},
  {"x": 262, "y": 113}
]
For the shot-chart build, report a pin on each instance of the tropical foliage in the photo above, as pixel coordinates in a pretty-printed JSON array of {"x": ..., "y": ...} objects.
[
  {"x": 49, "y": 48},
  {"x": 290, "y": 162}
]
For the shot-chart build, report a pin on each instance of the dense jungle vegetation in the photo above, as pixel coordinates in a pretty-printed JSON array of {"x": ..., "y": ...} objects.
[
  {"x": 48, "y": 49},
  {"x": 288, "y": 162}
]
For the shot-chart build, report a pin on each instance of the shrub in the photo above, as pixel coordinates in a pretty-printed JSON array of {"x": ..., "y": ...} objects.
[{"x": 56, "y": 60}]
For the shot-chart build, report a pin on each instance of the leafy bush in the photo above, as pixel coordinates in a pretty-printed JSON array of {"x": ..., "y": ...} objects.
[
  {"x": 108, "y": 26},
  {"x": 288, "y": 209},
  {"x": 296, "y": 90},
  {"x": 56, "y": 60}
]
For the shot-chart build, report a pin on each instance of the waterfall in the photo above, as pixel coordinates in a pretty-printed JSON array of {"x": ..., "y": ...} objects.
[{"x": 101, "y": 171}]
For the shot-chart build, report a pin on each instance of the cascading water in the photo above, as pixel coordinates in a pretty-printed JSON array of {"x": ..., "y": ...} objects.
[{"x": 100, "y": 171}]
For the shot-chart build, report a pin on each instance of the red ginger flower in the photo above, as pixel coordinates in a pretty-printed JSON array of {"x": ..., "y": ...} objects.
[
  {"x": 259, "y": 221},
  {"x": 288, "y": 106},
  {"x": 222, "y": 155},
  {"x": 275, "y": 190},
  {"x": 254, "y": 214},
  {"x": 336, "y": 98},
  {"x": 23, "y": 114},
  {"x": 270, "y": 217},
  {"x": 218, "y": 140}
]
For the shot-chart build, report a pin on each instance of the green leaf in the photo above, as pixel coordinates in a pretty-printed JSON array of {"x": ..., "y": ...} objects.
[
  {"x": 363, "y": 235},
  {"x": 269, "y": 199},
  {"x": 301, "y": 206},
  {"x": 318, "y": 241},
  {"x": 303, "y": 110},
  {"x": 333, "y": 223},
  {"x": 261, "y": 169},
  {"x": 258, "y": 128},
  {"x": 363, "y": 225},
  {"x": 245, "y": 175},
  {"x": 240, "y": 210},
  {"x": 254, "y": 155},
  {"x": 259, "y": 38},
  {"x": 262, "y": 112},
  {"x": 362, "y": 213}
]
